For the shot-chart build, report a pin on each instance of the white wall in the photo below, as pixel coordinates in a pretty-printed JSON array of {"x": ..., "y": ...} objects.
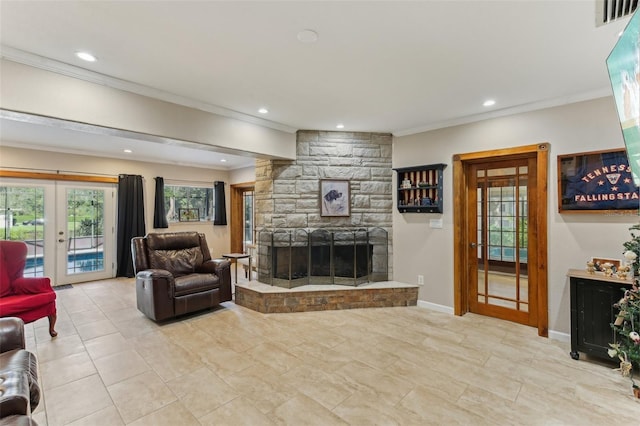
[
  {"x": 30, "y": 90},
  {"x": 573, "y": 238},
  {"x": 218, "y": 237},
  {"x": 244, "y": 175}
]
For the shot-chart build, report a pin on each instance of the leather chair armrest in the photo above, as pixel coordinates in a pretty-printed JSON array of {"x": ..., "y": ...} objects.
[
  {"x": 221, "y": 264},
  {"x": 11, "y": 334},
  {"x": 158, "y": 275},
  {"x": 155, "y": 293},
  {"x": 14, "y": 399},
  {"x": 155, "y": 273},
  {"x": 18, "y": 420},
  {"x": 32, "y": 285},
  {"x": 223, "y": 271}
]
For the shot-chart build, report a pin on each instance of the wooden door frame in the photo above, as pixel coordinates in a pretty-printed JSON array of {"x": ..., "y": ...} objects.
[
  {"x": 236, "y": 207},
  {"x": 461, "y": 163}
]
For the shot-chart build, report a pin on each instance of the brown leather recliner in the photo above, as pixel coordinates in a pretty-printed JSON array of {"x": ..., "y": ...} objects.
[
  {"x": 19, "y": 388},
  {"x": 175, "y": 274}
]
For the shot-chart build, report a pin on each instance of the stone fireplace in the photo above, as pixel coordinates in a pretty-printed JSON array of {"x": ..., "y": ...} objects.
[{"x": 296, "y": 245}]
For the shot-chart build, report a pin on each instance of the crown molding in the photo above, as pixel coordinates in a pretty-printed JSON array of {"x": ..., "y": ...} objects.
[
  {"x": 519, "y": 109},
  {"x": 37, "y": 61},
  {"x": 26, "y": 58}
]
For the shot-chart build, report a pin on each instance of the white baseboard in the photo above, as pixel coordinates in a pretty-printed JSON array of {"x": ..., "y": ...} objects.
[
  {"x": 560, "y": 336},
  {"x": 555, "y": 335},
  {"x": 435, "y": 307}
]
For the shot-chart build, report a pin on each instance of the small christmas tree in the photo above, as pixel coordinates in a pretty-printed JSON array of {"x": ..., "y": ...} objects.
[
  {"x": 633, "y": 246},
  {"x": 627, "y": 322},
  {"x": 627, "y": 326}
]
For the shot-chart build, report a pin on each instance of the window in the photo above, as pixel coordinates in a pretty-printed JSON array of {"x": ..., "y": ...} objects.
[
  {"x": 503, "y": 217},
  {"x": 22, "y": 219},
  {"x": 249, "y": 230},
  {"x": 194, "y": 198}
]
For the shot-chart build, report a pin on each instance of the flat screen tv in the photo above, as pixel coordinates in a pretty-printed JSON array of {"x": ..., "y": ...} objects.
[{"x": 623, "y": 64}]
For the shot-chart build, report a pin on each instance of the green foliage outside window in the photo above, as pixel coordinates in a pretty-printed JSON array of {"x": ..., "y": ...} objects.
[
  {"x": 188, "y": 197},
  {"x": 502, "y": 222},
  {"x": 85, "y": 212},
  {"x": 22, "y": 211}
]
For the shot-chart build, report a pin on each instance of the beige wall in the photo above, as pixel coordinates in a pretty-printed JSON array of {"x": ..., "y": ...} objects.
[
  {"x": 36, "y": 91},
  {"x": 580, "y": 127},
  {"x": 244, "y": 175},
  {"x": 217, "y": 236},
  {"x": 419, "y": 249}
]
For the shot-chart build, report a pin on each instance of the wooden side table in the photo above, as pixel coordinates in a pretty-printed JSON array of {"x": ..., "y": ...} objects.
[{"x": 234, "y": 258}]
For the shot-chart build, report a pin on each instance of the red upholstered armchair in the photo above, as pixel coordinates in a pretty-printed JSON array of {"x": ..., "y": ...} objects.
[{"x": 26, "y": 298}]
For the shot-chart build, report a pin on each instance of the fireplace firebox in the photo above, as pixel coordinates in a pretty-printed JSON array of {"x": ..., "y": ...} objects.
[{"x": 291, "y": 258}]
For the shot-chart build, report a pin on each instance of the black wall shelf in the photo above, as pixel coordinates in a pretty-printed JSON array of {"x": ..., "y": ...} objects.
[{"x": 420, "y": 188}]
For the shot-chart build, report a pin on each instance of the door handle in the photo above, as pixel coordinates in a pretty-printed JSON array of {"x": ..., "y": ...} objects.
[
  {"x": 61, "y": 240},
  {"x": 474, "y": 245}
]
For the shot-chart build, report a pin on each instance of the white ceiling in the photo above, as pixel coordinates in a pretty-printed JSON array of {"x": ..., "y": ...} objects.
[{"x": 399, "y": 67}]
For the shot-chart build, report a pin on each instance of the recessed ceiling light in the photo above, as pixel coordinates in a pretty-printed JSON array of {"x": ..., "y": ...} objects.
[
  {"x": 128, "y": 151},
  {"x": 86, "y": 56},
  {"x": 340, "y": 126},
  {"x": 489, "y": 103},
  {"x": 223, "y": 161},
  {"x": 307, "y": 36},
  {"x": 263, "y": 110}
]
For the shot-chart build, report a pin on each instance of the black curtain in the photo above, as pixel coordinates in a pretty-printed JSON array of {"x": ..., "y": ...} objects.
[
  {"x": 159, "y": 214},
  {"x": 220, "y": 214},
  {"x": 130, "y": 220}
]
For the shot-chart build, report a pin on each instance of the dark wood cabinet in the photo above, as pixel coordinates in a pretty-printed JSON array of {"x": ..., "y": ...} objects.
[
  {"x": 592, "y": 311},
  {"x": 420, "y": 189}
]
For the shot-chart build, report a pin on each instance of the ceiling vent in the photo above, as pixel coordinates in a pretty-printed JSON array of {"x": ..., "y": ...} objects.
[{"x": 611, "y": 10}]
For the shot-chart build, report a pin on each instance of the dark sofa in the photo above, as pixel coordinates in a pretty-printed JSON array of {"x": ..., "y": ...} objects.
[
  {"x": 176, "y": 275},
  {"x": 20, "y": 391}
]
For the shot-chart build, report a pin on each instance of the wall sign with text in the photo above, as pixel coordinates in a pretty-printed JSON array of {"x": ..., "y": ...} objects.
[{"x": 596, "y": 181}]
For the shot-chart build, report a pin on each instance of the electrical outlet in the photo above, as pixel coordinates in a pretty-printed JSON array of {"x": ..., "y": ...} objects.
[{"x": 420, "y": 279}]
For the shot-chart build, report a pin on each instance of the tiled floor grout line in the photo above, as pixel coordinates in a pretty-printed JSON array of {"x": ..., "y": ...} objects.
[{"x": 352, "y": 353}]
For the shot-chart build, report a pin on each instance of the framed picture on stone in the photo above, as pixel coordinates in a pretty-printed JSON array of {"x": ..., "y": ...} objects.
[{"x": 335, "y": 199}]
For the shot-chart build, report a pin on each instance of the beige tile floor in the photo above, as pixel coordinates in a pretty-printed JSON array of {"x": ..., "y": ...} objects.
[{"x": 384, "y": 366}]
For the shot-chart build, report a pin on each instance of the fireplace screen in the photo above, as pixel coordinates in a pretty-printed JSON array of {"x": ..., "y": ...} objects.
[{"x": 347, "y": 257}]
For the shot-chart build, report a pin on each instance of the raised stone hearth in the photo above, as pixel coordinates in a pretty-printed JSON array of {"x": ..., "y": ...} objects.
[{"x": 271, "y": 299}]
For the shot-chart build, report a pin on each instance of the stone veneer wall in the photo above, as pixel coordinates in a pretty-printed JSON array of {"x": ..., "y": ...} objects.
[{"x": 287, "y": 192}]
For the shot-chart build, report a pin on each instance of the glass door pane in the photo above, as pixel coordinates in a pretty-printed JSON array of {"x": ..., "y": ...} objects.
[
  {"x": 501, "y": 234},
  {"x": 85, "y": 230},
  {"x": 248, "y": 229},
  {"x": 22, "y": 218}
]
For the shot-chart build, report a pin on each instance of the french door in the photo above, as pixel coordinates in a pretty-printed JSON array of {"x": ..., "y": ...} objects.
[
  {"x": 84, "y": 232},
  {"x": 68, "y": 227},
  {"x": 499, "y": 283},
  {"x": 500, "y": 234}
]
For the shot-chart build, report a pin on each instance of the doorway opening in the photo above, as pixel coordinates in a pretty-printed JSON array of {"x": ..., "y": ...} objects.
[{"x": 242, "y": 223}]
